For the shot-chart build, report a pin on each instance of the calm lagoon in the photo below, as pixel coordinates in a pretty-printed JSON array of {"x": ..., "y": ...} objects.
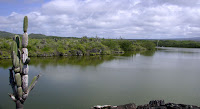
[{"x": 171, "y": 74}]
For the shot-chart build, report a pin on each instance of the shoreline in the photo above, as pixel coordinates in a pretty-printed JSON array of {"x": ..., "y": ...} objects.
[{"x": 67, "y": 55}]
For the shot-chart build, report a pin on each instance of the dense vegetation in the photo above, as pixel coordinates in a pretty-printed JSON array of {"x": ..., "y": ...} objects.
[
  {"x": 57, "y": 46},
  {"x": 42, "y": 45},
  {"x": 173, "y": 43}
]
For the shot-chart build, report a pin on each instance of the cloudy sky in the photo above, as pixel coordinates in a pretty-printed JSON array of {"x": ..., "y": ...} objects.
[{"x": 130, "y": 19}]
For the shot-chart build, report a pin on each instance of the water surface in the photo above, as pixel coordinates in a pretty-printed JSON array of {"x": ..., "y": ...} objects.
[{"x": 171, "y": 74}]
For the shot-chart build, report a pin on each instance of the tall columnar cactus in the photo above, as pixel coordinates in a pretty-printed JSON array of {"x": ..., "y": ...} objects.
[{"x": 19, "y": 78}]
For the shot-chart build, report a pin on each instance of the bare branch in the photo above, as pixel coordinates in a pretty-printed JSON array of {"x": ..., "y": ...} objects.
[
  {"x": 24, "y": 97},
  {"x": 12, "y": 97}
]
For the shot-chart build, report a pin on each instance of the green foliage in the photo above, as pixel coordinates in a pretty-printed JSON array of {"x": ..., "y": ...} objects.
[
  {"x": 84, "y": 39},
  {"x": 46, "y": 49},
  {"x": 61, "y": 49},
  {"x": 138, "y": 48},
  {"x": 4, "y": 45},
  {"x": 126, "y": 45},
  {"x": 25, "y": 24},
  {"x": 173, "y": 43},
  {"x": 112, "y": 44},
  {"x": 75, "y": 46},
  {"x": 149, "y": 45},
  {"x": 4, "y": 54}
]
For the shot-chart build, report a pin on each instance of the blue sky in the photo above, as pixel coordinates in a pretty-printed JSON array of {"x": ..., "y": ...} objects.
[
  {"x": 19, "y": 6},
  {"x": 131, "y": 19}
]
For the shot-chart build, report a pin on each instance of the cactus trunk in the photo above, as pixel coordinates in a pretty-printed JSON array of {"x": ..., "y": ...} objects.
[{"x": 19, "y": 105}]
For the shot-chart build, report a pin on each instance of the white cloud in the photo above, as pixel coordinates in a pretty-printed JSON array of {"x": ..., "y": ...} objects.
[{"x": 111, "y": 18}]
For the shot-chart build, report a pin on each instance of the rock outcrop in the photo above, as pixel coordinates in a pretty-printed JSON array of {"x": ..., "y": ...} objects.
[{"x": 153, "y": 104}]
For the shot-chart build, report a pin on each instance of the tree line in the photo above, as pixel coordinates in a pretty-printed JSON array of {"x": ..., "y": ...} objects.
[{"x": 77, "y": 46}]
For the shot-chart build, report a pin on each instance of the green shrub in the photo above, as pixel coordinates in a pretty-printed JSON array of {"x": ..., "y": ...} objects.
[
  {"x": 126, "y": 45},
  {"x": 149, "y": 45}
]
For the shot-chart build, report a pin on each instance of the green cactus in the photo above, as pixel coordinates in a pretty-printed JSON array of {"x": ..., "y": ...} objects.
[
  {"x": 15, "y": 60},
  {"x": 14, "y": 47},
  {"x": 17, "y": 70},
  {"x": 19, "y": 92},
  {"x": 18, "y": 79},
  {"x": 17, "y": 39},
  {"x": 34, "y": 79},
  {"x": 25, "y": 25}
]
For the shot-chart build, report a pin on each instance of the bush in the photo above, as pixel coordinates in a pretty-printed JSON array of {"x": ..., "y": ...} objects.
[
  {"x": 149, "y": 45},
  {"x": 126, "y": 45}
]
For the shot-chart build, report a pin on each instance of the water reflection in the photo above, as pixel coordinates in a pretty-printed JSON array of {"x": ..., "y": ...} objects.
[
  {"x": 82, "y": 61},
  {"x": 179, "y": 50},
  {"x": 148, "y": 53},
  {"x": 129, "y": 53},
  {"x": 62, "y": 61},
  {"x": 5, "y": 63}
]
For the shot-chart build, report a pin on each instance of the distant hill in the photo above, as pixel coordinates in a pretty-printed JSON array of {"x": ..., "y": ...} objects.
[
  {"x": 192, "y": 39},
  {"x": 37, "y": 36},
  {"x": 4, "y": 34},
  {"x": 177, "y": 39}
]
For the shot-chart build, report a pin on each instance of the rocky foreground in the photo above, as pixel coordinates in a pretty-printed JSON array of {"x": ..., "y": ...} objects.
[{"x": 154, "y": 104}]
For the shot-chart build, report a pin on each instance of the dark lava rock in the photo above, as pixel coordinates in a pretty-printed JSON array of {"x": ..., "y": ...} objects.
[
  {"x": 126, "y": 106},
  {"x": 153, "y": 104}
]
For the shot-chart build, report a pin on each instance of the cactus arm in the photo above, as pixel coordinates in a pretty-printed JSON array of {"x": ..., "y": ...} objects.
[
  {"x": 15, "y": 60},
  {"x": 18, "y": 79},
  {"x": 12, "y": 82},
  {"x": 14, "y": 47},
  {"x": 33, "y": 83},
  {"x": 17, "y": 39},
  {"x": 19, "y": 92}
]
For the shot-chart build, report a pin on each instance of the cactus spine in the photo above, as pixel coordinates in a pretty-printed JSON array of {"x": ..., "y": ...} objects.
[{"x": 19, "y": 78}]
